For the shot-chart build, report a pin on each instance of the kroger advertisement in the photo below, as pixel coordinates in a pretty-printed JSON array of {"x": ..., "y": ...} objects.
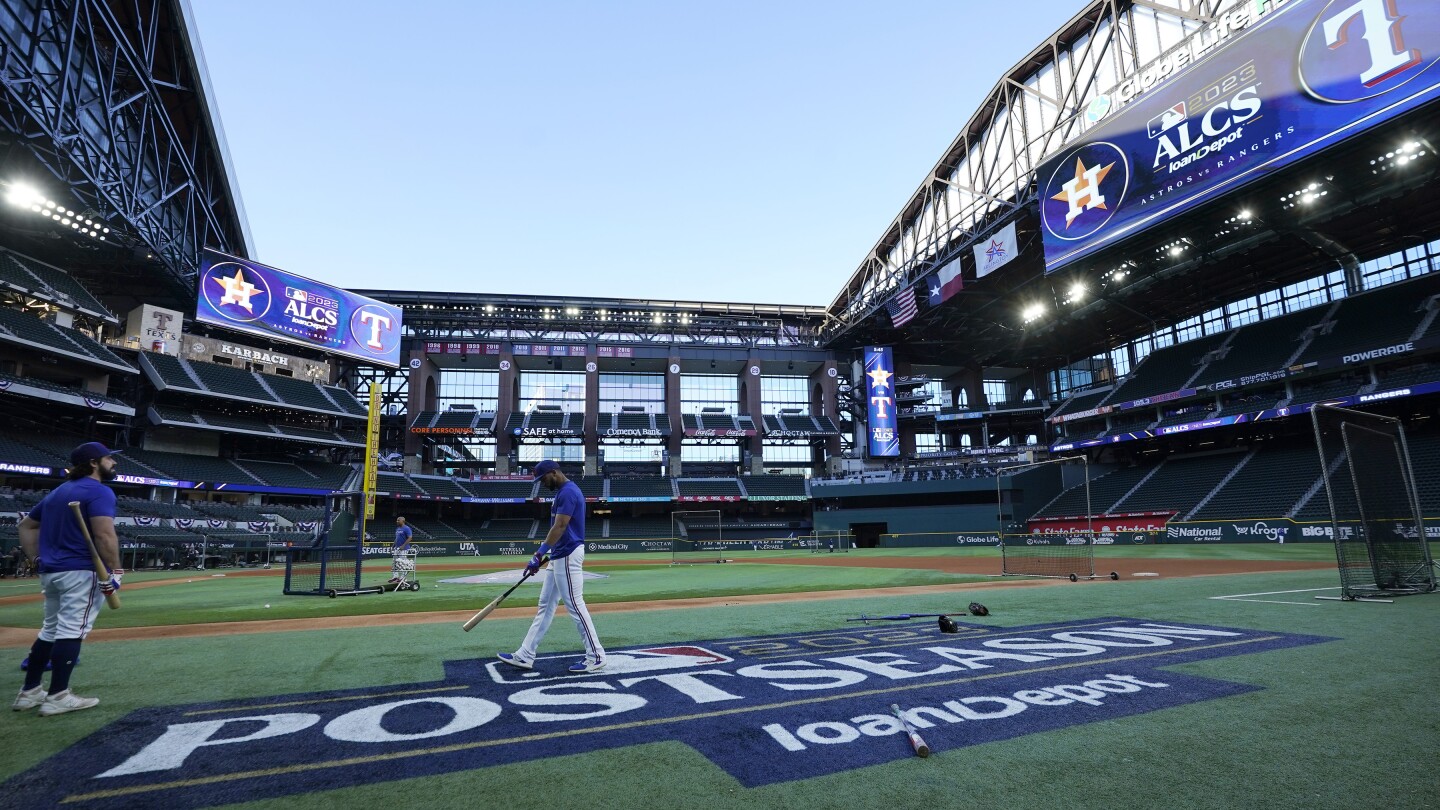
[
  {"x": 1304, "y": 78},
  {"x": 248, "y": 297},
  {"x": 880, "y": 383}
]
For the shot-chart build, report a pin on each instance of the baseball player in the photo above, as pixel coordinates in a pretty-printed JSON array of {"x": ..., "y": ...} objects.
[
  {"x": 403, "y": 533},
  {"x": 73, "y": 592},
  {"x": 564, "y": 549}
]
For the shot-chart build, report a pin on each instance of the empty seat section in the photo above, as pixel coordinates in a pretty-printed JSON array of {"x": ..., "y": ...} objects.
[
  {"x": 282, "y": 475},
  {"x": 1268, "y": 486},
  {"x": 186, "y": 467},
  {"x": 1180, "y": 483},
  {"x": 1104, "y": 492},
  {"x": 1081, "y": 402},
  {"x": 396, "y": 484},
  {"x": 440, "y": 487},
  {"x": 298, "y": 392},
  {"x": 1166, "y": 369},
  {"x": 347, "y": 401},
  {"x": 16, "y": 451},
  {"x": 517, "y": 488},
  {"x": 171, "y": 371},
  {"x": 1375, "y": 319},
  {"x": 648, "y": 486},
  {"x": 708, "y": 486},
  {"x": 61, "y": 282},
  {"x": 788, "y": 486},
  {"x": 1262, "y": 346},
  {"x": 455, "y": 419},
  {"x": 591, "y": 486},
  {"x": 232, "y": 382},
  {"x": 639, "y": 527},
  {"x": 515, "y": 529}
]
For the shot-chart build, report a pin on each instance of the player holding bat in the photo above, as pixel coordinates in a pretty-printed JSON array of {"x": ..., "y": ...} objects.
[
  {"x": 564, "y": 549},
  {"x": 68, "y": 577}
]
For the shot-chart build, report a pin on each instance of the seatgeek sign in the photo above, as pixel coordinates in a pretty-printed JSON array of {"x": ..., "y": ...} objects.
[
  {"x": 767, "y": 710},
  {"x": 1304, "y": 78},
  {"x": 248, "y": 297}
]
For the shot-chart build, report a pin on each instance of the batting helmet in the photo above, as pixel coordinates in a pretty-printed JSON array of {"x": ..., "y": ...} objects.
[
  {"x": 977, "y": 609},
  {"x": 948, "y": 625}
]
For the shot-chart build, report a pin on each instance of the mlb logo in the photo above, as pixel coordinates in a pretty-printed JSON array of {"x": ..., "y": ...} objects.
[
  {"x": 294, "y": 294},
  {"x": 1166, "y": 120}
]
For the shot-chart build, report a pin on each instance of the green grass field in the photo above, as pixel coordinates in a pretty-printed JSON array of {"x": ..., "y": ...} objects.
[{"x": 1339, "y": 724}]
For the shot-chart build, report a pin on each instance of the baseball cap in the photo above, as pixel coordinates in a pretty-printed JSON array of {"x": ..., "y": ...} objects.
[
  {"x": 89, "y": 451},
  {"x": 546, "y": 466}
]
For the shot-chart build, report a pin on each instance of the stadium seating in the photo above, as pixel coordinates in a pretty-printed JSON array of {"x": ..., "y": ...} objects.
[
  {"x": 1179, "y": 484},
  {"x": 521, "y": 529},
  {"x": 188, "y": 467},
  {"x": 397, "y": 484},
  {"x": 1269, "y": 485},
  {"x": 440, "y": 486},
  {"x": 1383, "y": 317},
  {"x": 230, "y": 382},
  {"x": 646, "y": 486},
  {"x": 1328, "y": 388},
  {"x": 1191, "y": 413},
  {"x": 281, "y": 474},
  {"x": 1167, "y": 369},
  {"x": 1401, "y": 376},
  {"x": 1105, "y": 491},
  {"x": 15, "y": 451},
  {"x": 707, "y": 487},
  {"x": 346, "y": 400},
  {"x": 247, "y": 423},
  {"x": 456, "y": 419},
  {"x": 1262, "y": 346},
  {"x": 45, "y": 281},
  {"x": 514, "y": 488},
  {"x": 1083, "y": 401},
  {"x": 299, "y": 393},
  {"x": 639, "y": 527},
  {"x": 591, "y": 486},
  {"x": 141, "y": 506},
  {"x": 23, "y": 326},
  {"x": 759, "y": 486}
]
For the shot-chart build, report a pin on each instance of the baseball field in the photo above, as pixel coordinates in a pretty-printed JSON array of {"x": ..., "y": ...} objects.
[{"x": 1202, "y": 677}]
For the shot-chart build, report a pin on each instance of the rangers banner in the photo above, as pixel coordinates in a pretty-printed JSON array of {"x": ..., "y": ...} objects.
[
  {"x": 248, "y": 297},
  {"x": 1305, "y": 78},
  {"x": 884, "y": 439}
]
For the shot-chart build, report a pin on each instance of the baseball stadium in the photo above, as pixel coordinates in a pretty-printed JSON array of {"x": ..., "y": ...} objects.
[{"x": 1148, "y": 362}]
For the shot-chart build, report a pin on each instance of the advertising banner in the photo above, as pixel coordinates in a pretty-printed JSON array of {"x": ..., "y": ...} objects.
[
  {"x": 1304, "y": 78},
  {"x": 884, "y": 441},
  {"x": 249, "y": 297}
]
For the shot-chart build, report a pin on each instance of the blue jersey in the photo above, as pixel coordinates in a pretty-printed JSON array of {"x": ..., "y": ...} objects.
[
  {"x": 62, "y": 546},
  {"x": 569, "y": 501},
  {"x": 402, "y": 536}
]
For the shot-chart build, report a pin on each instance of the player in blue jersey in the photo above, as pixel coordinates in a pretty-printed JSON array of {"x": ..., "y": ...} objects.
[
  {"x": 564, "y": 549},
  {"x": 403, "y": 533},
  {"x": 73, "y": 593}
]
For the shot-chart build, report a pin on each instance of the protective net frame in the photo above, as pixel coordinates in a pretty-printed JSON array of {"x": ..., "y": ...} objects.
[
  {"x": 333, "y": 567},
  {"x": 837, "y": 541},
  {"x": 1375, "y": 518},
  {"x": 1062, "y": 555},
  {"x": 686, "y": 550}
]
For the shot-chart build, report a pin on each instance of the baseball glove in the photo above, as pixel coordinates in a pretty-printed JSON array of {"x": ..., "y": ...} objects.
[{"x": 977, "y": 609}]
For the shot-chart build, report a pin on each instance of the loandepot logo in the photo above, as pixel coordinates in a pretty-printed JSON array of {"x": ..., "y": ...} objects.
[{"x": 770, "y": 709}]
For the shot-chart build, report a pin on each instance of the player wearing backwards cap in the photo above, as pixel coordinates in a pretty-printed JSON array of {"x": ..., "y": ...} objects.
[
  {"x": 73, "y": 592},
  {"x": 564, "y": 547}
]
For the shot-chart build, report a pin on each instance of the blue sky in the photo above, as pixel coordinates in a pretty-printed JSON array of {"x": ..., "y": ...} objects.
[{"x": 745, "y": 151}]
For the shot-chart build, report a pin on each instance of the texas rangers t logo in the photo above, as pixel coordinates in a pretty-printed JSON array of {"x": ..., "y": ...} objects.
[{"x": 1359, "y": 49}]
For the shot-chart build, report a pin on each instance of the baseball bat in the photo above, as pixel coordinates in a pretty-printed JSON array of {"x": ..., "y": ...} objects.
[
  {"x": 494, "y": 603},
  {"x": 921, "y": 749},
  {"x": 112, "y": 599},
  {"x": 900, "y": 618}
]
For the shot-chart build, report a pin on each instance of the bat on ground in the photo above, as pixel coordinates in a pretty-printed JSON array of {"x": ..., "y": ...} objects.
[
  {"x": 900, "y": 618},
  {"x": 921, "y": 749},
  {"x": 494, "y": 603},
  {"x": 112, "y": 599}
]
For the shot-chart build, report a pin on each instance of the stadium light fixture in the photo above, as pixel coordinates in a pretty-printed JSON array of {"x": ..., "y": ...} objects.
[
  {"x": 1077, "y": 293},
  {"x": 1032, "y": 312}
]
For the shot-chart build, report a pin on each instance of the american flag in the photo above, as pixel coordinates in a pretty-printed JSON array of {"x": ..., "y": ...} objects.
[{"x": 902, "y": 307}]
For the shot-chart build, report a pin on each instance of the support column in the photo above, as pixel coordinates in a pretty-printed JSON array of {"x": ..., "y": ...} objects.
[
  {"x": 507, "y": 401},
  {"x": 592, "y": 410},
  {"x": 423, "y": 396},
  {"x": 904, "y": 427},
  {"x": 824, "y": 401},
  {"x": 749, "y": 405},
  {"x": 672, "y": 413}
]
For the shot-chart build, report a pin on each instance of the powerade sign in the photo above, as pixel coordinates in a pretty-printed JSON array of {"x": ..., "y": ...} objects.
[
  {"x": 884, "y": 439},
  {"x": 1306, "y": 77},
  {"x": 249, "y": 297},
  {"x": 767, "y": 710}
]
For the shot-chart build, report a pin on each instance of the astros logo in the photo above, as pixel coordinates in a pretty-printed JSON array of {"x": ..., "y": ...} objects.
[
  {"x": 1359, "y": 49},
  {"x": 1085, "y": 191},
  {"x": 236, "y": 291}
]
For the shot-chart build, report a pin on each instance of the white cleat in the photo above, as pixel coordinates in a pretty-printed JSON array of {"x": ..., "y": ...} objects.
[
  {"x": 28, "y": 699},
  {"x": 66, "y": 701}
]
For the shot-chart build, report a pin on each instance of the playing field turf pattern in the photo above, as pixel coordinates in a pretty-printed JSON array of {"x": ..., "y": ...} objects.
[{"x": 1282, "y": 735}]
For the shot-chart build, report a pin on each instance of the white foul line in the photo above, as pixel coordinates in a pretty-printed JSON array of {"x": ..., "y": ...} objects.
[{"x": 1239, "y": 597}]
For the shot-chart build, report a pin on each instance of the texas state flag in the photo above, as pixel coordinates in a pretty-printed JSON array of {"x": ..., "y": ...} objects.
[{"x": 945, "y": 283}]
